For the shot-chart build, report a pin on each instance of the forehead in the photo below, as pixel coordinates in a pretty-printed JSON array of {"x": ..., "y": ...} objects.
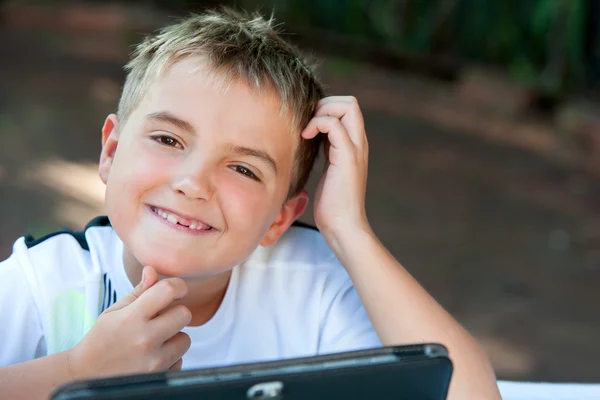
[{"x": 192, "y": 87}]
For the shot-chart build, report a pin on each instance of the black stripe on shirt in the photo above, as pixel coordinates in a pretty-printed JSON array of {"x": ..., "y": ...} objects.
[
  {"x": 300, "y": 224},
  {"x": 110, "y": 294},
  {"x": 79, "y": 236}
]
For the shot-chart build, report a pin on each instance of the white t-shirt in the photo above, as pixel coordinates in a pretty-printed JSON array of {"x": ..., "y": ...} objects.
[{"x": 289, "y": 300}]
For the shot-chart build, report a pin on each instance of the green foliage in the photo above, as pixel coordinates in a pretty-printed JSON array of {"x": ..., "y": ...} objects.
[
  {"x": 538, "y": 41},
  {"x": 342, "y": 67}
]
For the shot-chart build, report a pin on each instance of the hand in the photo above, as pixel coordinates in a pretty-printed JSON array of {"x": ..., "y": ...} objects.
[
  {"x": 340, "y": 197},
  {"x": 139, "y": 333}
]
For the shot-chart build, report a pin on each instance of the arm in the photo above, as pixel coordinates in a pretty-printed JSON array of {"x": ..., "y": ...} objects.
[
  {"x": 139, "y": 333},
  {"x": 399, "y": 308},
  {"x": 402, "y": 312},
  {"x": 35, "y": 379}
]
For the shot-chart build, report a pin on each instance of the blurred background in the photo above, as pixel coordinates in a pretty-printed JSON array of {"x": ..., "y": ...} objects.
[{"x": 484, "y": 127}]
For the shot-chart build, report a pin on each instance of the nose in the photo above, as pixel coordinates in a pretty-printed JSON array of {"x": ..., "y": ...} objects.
[{"x": 194, "y": 181}]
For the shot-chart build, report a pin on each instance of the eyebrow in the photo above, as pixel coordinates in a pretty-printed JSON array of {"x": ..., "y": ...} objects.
[
  {"x": 247, "y": 151},
  {"x": 167, "y": 117}
]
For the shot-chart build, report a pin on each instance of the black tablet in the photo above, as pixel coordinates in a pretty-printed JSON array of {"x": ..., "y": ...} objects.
[{"x": 415, "y": 372}]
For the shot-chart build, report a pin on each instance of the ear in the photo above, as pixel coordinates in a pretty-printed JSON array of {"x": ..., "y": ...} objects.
[
  {"x": 110, "y": 140},
  {"x": 290, "y": 212}
]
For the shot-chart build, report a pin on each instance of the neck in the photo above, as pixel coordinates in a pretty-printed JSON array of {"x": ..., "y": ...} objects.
[{"x": 205, "y": 294}]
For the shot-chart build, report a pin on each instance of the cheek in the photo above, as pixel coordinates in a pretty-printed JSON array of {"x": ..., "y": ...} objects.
[
  {"x": 246, "y": 208},
  {"x": 136, "y": 170}
]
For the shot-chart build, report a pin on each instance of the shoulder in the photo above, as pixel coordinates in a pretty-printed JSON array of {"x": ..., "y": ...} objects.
[
  {"x": 302, "y": 246},
  {"x": 65, "y": 255},
  {"x": 61, "y": 276},
  {"x": 301, "y": 257}
]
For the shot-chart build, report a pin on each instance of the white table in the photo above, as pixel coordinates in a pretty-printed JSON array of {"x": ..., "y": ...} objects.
[{"x": 548, "y": 391}]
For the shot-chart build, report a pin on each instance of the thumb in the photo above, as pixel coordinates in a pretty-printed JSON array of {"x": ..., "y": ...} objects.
[{"x": 149, "y": 278}]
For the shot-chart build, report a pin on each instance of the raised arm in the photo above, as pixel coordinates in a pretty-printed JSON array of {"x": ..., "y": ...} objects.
[{"x": 400, "y": 309}]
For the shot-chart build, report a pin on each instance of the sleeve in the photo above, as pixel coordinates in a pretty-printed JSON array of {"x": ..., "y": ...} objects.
[
  {"x": 21, "y": 334},
  {"x": 345, "y": 324}
]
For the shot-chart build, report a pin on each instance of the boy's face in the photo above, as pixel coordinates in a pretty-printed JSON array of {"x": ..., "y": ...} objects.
[{"x": 198, "y": 175}]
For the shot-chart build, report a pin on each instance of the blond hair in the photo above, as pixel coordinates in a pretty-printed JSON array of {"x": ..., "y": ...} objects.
[{"x": 236, "y": 45}]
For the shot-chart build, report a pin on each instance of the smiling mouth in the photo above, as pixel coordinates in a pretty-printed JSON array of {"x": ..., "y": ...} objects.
[{"x": 178, "y": 220}]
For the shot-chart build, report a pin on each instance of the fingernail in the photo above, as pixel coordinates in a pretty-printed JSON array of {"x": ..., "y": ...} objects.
[{"x": 143, "y": 274}]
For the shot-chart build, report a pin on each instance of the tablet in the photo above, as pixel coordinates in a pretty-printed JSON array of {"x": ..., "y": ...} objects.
[{"x": 415, "y": 372}]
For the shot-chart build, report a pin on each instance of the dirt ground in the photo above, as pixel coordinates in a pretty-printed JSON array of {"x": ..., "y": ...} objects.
[{"x": 507, "y": 240}]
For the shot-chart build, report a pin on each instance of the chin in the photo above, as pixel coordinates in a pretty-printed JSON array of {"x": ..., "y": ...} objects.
[{"x": 170, "y": 265}]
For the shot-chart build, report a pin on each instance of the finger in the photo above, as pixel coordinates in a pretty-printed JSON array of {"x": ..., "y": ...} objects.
[
  {"x": 175, "y": 348},
  {"x": 149, "y": 278},
  {"x": 177, "y": 366},
  {"x": 349, "y": 113},
  {"x": 336, "y": 133},
  {"x": 168, "y": 323},
  {"x": 337, "y": 108},
  {"x": 159, "y": 296},
  {"x": 336, "y": 99}
]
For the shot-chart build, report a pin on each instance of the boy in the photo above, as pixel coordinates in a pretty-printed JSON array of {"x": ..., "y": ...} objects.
[{"x": 204, "y": 164}]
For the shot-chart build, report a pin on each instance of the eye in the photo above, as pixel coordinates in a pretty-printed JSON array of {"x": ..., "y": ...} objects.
[
  {"x": 245, "y": 171},
  {"x": 167, "y": 141}
]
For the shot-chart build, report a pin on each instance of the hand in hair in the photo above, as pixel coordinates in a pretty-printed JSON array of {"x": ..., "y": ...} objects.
[{"x": 340, "y": 198}]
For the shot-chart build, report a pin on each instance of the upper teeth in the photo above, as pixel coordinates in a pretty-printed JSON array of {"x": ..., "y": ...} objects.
[{"x": 174, "y": 219}]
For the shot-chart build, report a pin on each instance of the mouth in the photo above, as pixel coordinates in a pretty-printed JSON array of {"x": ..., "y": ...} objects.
[{"x": 178, "y": 221}]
